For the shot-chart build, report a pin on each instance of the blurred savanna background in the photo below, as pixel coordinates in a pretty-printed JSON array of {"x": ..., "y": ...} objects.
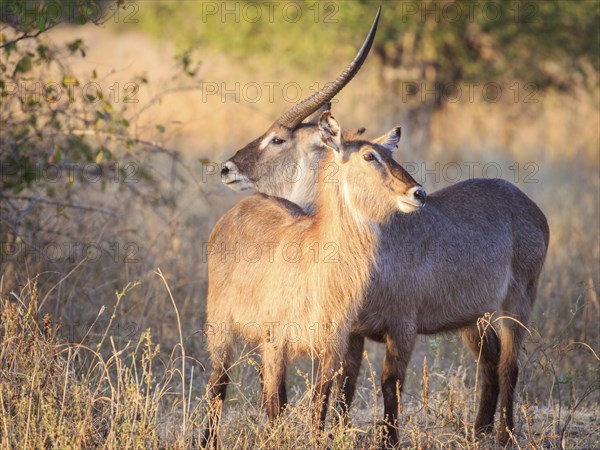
[{"x": 114, "y": 119}]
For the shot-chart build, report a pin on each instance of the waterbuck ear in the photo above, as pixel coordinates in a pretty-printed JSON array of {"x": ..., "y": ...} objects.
[
  {"x": 331, "y": 132},
  {"x": 389, "y": 140},
  {"x": 314, "y": 117}
]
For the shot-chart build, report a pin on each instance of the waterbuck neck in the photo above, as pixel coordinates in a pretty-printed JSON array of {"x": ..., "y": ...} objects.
[{"x": 349, "y": 243}]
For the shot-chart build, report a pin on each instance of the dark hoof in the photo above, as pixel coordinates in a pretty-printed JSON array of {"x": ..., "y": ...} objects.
[
  {"x": 389, "y": 439},
  {"x": 484, "y": 430},
  {"x": 208, "y": 441},
  {"x": 505, "y": 439}
]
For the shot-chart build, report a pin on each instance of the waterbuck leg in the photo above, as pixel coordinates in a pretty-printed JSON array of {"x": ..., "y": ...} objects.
[
  {"x": 274, "y": 392},
  {"x": 351, "y": 368},
  {"x": 327, "y": 367},
  {"x": 485, "y": 346},
  {"x": 218, "y": 381},
  {"x": 519, "y": 301},
  {"x": 281, "y": 390},
  {"x": 399, "y": 346}
]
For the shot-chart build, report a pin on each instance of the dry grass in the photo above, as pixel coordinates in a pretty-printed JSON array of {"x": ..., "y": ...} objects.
[
  {"x": 96, "y": 377},
  {"x": 56, "y": 394}
]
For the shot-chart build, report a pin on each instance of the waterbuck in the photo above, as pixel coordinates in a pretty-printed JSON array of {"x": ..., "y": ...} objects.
[
  {"x": 421, "y": 287},
  {"x": 291, "y": 283}
]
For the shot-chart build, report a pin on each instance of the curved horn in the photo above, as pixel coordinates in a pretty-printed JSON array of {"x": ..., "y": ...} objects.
[{"x": 306, "y": 107}]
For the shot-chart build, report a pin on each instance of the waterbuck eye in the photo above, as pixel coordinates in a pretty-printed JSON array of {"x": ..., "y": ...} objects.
[
  {"x": 277, "y": 141},
  {"x": 368, "y": 157}
]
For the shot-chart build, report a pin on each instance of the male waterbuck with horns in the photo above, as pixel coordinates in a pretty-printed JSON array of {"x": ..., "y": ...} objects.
[
  {"x": 420, "y": 286},
  {"x": 268, "y": 283}
]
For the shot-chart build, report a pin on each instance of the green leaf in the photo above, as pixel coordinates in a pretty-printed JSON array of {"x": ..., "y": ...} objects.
[
  {"x": 70, "y": 80},
  {"x": 41, "y": 25},
  {"x": 75, "y": 45},
  {"x": 24, "y": 65}
]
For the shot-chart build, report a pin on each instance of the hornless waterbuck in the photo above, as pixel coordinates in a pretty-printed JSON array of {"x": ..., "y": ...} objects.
[
  {"x": 291, "y": 283},
  {"x": 477, "y": 247}
]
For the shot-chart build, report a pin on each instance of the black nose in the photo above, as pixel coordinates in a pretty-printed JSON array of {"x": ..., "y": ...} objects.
[
  {"x": 420, "y": 195},
  {"x": 224, "y": 170}
]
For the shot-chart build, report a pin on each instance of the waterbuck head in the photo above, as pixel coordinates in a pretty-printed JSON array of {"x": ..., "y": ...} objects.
[
  {"x": 372, "y": 184},
  {"x": 282, "y": 160}
]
